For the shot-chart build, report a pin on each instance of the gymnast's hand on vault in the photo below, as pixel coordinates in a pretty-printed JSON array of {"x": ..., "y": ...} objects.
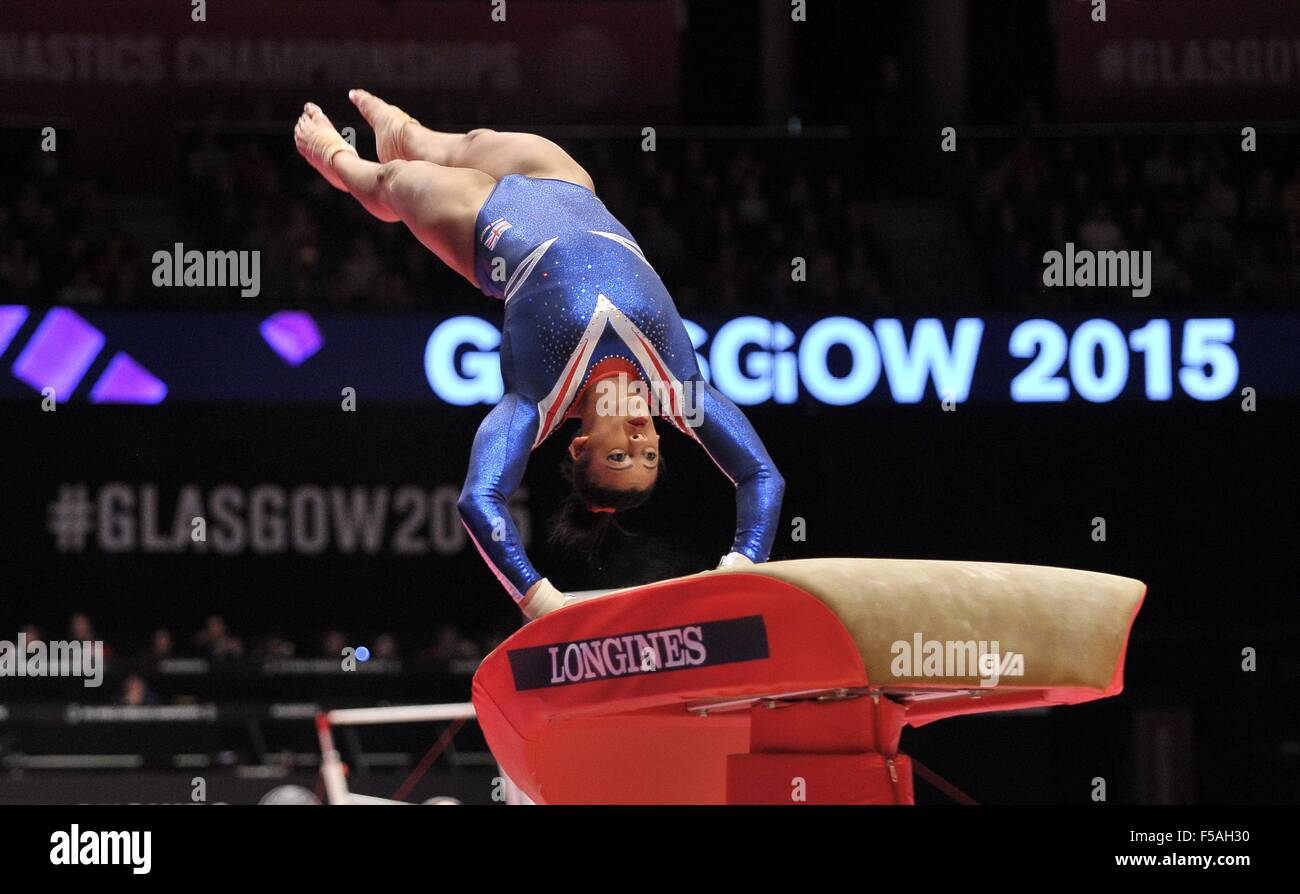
[
  {"x": 542, "y": 598},
  {"x": 735, "y": 560}
]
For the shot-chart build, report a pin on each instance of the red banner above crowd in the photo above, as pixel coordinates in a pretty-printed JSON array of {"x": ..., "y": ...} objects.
[
  {"x": 518, "y": 62},
  {"x": 1159, "y": 60}
]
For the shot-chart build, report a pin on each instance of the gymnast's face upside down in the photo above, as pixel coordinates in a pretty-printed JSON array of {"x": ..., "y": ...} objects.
[
  {"x": 613, "y": 462},
  {"x": 615, "y": 455}
]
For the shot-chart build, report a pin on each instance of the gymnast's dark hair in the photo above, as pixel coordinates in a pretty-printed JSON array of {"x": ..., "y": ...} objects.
[{"x": 574, "y": 525}]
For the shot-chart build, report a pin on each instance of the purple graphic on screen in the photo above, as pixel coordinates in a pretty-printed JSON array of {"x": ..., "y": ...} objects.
[
  {"x": 293, "y": 335},
  {"x": 127, "y": 382},
  {"x": 59, "y": 353},
  {"x": 12, "y": 317}
]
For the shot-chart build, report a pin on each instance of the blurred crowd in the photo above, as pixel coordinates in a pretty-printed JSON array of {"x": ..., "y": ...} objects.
[
  {"x": 721, "y": 224},
  {"x": 447, "y": 649},
  {"x": 720, "y": 220},
  {"x": 60, "y": 243},
  {"x": 1222, "y": 225}
]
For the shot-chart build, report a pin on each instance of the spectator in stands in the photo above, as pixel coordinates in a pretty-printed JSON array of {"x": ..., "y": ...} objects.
[
  {"x": 273, "y": 647},
  {"x": 386, "y": 647},
  {"x": 215, "y": 641},
  {"x": 450, "y": 645},
  {"x": 333, "y": 643},
  {"x": 82, "y": 290},
  {"x": 134, "y": 692},
  {"x": 361, "y": 270},
  {"x": 1100, "y": 232},
  {"x": 160, "y": 644},
  {"x": 80, "y": 629}
]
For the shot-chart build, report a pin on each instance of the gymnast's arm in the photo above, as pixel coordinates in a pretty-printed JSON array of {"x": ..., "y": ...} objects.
[
  {"x": 496, "y": 467},
  {"x": 734, "y": 446}
]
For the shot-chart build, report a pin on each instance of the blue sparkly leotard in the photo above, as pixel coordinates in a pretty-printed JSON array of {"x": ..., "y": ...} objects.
[{"x": 581, "y": 300}]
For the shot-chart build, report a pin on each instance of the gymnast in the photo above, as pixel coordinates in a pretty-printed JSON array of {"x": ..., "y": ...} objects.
[{"x": 590, "y": 332}]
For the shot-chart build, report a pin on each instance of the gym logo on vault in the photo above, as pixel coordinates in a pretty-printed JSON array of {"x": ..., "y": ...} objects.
[{"x": 685, "y": 647}]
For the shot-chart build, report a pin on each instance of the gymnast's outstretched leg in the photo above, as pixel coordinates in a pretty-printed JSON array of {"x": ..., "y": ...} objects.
[
  {"x": 438, "y": 203},
  {"x": 496, "y": 153}
]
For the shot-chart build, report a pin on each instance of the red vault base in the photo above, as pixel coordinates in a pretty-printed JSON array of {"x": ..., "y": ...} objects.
[{"x": 822, "y": 752}]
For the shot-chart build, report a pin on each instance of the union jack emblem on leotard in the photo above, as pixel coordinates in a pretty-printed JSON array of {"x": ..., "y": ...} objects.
[{"x": 492, "y": 232}]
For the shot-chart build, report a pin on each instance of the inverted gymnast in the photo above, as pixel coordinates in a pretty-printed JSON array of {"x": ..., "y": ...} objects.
[{"x": 590, "y": 332}]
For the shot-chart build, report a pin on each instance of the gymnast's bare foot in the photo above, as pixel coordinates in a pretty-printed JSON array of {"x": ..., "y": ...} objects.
[
  {"x": 318, "y": 142},
  {"x": 389, "y": 123}
]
